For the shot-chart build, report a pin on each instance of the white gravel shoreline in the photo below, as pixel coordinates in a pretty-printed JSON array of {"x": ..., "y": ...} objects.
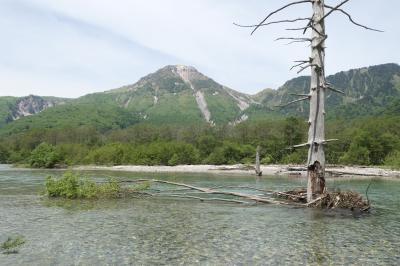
[{"x": 299, "y": 170}]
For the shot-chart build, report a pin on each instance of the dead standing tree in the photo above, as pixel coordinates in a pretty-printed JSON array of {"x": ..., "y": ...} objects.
[
  {"x": 319, "y": 85},
  {"x": 257, "y": 167}
]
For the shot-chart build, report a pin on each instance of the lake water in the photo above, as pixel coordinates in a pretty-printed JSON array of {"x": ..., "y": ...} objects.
[{"x": 188, "y": 232}]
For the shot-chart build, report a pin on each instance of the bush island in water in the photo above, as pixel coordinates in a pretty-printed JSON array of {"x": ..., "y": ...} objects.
[{"x": 73, "y": 186}]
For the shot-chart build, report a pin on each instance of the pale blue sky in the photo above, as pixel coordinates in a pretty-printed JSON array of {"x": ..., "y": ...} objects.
[{"x": 73, "y": 47}]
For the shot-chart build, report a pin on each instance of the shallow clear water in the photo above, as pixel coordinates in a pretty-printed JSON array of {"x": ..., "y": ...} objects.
[{"x": 179, "y": 231}]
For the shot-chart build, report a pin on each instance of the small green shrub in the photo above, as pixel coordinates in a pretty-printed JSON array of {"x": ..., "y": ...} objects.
[
  {"x": 12, "y": 244},
  {"x": 18, "y": 157},
  {"x": 174, "y": 160},
  {"x": 110, "y": 154},
  {"x": 44, "y": 156},
  {"x": 296, "y": 157},
  {"x": 231, "y": 153},
  {"x": 266, "y": 159},
  {"x": 393, "y": 160},
  {"x": 72, "y": 153},
  {"x": 4, "y": 154},
  {"x": 73, "y": 186},
  {"x": 358, "y": 155}
]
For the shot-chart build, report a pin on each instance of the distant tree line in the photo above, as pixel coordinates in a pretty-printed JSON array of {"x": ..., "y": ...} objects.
[{"x": 368, "y": 141}]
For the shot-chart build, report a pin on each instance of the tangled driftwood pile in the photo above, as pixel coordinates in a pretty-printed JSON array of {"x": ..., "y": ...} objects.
[
  {"x": 296, "y": 197},
  {"x": 329, "y": 200},
  {"x": 343, "y": 200}
]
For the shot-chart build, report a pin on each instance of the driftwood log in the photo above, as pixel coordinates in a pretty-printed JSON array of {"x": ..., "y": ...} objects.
[
  {"x": 296, "y": 197},
  {"x": 335, "y": 172},
  {"x": 211, "y": 191}
]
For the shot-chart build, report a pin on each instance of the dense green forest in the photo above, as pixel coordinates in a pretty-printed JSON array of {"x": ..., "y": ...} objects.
[
  {"x": 159, "y": 121},
  {"x": 364, "y": 141}
]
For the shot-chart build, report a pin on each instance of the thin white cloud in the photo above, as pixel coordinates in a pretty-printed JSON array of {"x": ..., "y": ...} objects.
[{"x": 100, "y": 44}]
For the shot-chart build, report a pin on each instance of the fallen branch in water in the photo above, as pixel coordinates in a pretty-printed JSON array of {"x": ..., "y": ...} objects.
[
  {"x": 316, "y": 201},
  {"x": 246, "y": 187},
  {"x": 349, "y": 173},
  {"x": 296, "y": 197},
  {"x": 236, "y": 167},
  {"x": 206, "y": 199},
  {"x": 213, "y": 191},
  {"x": 366, "y": 191}
]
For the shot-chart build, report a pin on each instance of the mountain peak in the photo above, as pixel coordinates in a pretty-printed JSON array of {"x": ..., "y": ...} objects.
[
  {"x": 178, "y": 68},
  {"x": 185, "y": 68},
  {"x": 183, "y": 71}
]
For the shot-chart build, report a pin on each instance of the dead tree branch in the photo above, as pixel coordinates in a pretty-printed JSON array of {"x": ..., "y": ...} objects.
[
  {"x": 246, "y": 187},
  {"x": 278, "y": 10},
  {"x": 305, "y": 67},
  {"x": 295, "y": 101},
  {"x": 305, "y": 61},
  {"x": 300, "y": 95},
  {"x": 328, "y": 140},
  {"x": 294, "y": 38},
  {"x": 351, "y": 19},
  {"x": 335, "y": 90},
  {"x": 210, "y": 191},
  {"x": 206, "y": 199},
  {"x": 293, "y": 29},
  {"x": 308, "y": 25},
  {"x": 323, "y": 142},
  {"x": 300, "y": 145},
  {"x": 272, "y": 22},
  {"x": 333, "y": 9},
  {"x": 304, "y": 29},
  {"x": 294, "y": 42},
  {"x": 299, "y": 64},
  {"x": 366, "y": 191}
]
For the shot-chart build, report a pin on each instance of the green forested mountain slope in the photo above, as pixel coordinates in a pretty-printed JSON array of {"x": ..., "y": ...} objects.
[
  {"x": 368, "y": 90},
  {"x": 168, "y": 117},
  {"x": 172, "y": 95},
  {"x": 73, "y": 115},
  {"x": 183, "y": 96}
]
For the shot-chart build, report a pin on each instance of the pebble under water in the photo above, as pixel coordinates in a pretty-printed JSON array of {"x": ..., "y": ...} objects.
[{"x": 188, "y": 232}]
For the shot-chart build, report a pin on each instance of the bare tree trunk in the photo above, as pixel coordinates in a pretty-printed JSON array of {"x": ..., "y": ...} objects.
[
  {"x": 316, "y": 121},
  {"x": 257, "y": 168},
  {"x": 316, "y": 133}
]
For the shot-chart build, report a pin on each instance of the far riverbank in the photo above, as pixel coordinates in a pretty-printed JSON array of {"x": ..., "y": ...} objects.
[{"x": 292, "y": 170}]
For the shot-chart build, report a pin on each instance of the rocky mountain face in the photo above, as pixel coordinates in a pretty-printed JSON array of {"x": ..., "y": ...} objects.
[
  {"x": 370, "y": 88},
  {"x": 30, "y": 105},
  {"x": 181, "y": 95},
  {"x": 13, "y": 108}
]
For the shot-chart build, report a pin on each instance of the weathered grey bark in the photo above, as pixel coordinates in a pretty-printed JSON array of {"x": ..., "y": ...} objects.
[
  {"x": 257, "y": 167},
  {"x": 316, "y": 132}
]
